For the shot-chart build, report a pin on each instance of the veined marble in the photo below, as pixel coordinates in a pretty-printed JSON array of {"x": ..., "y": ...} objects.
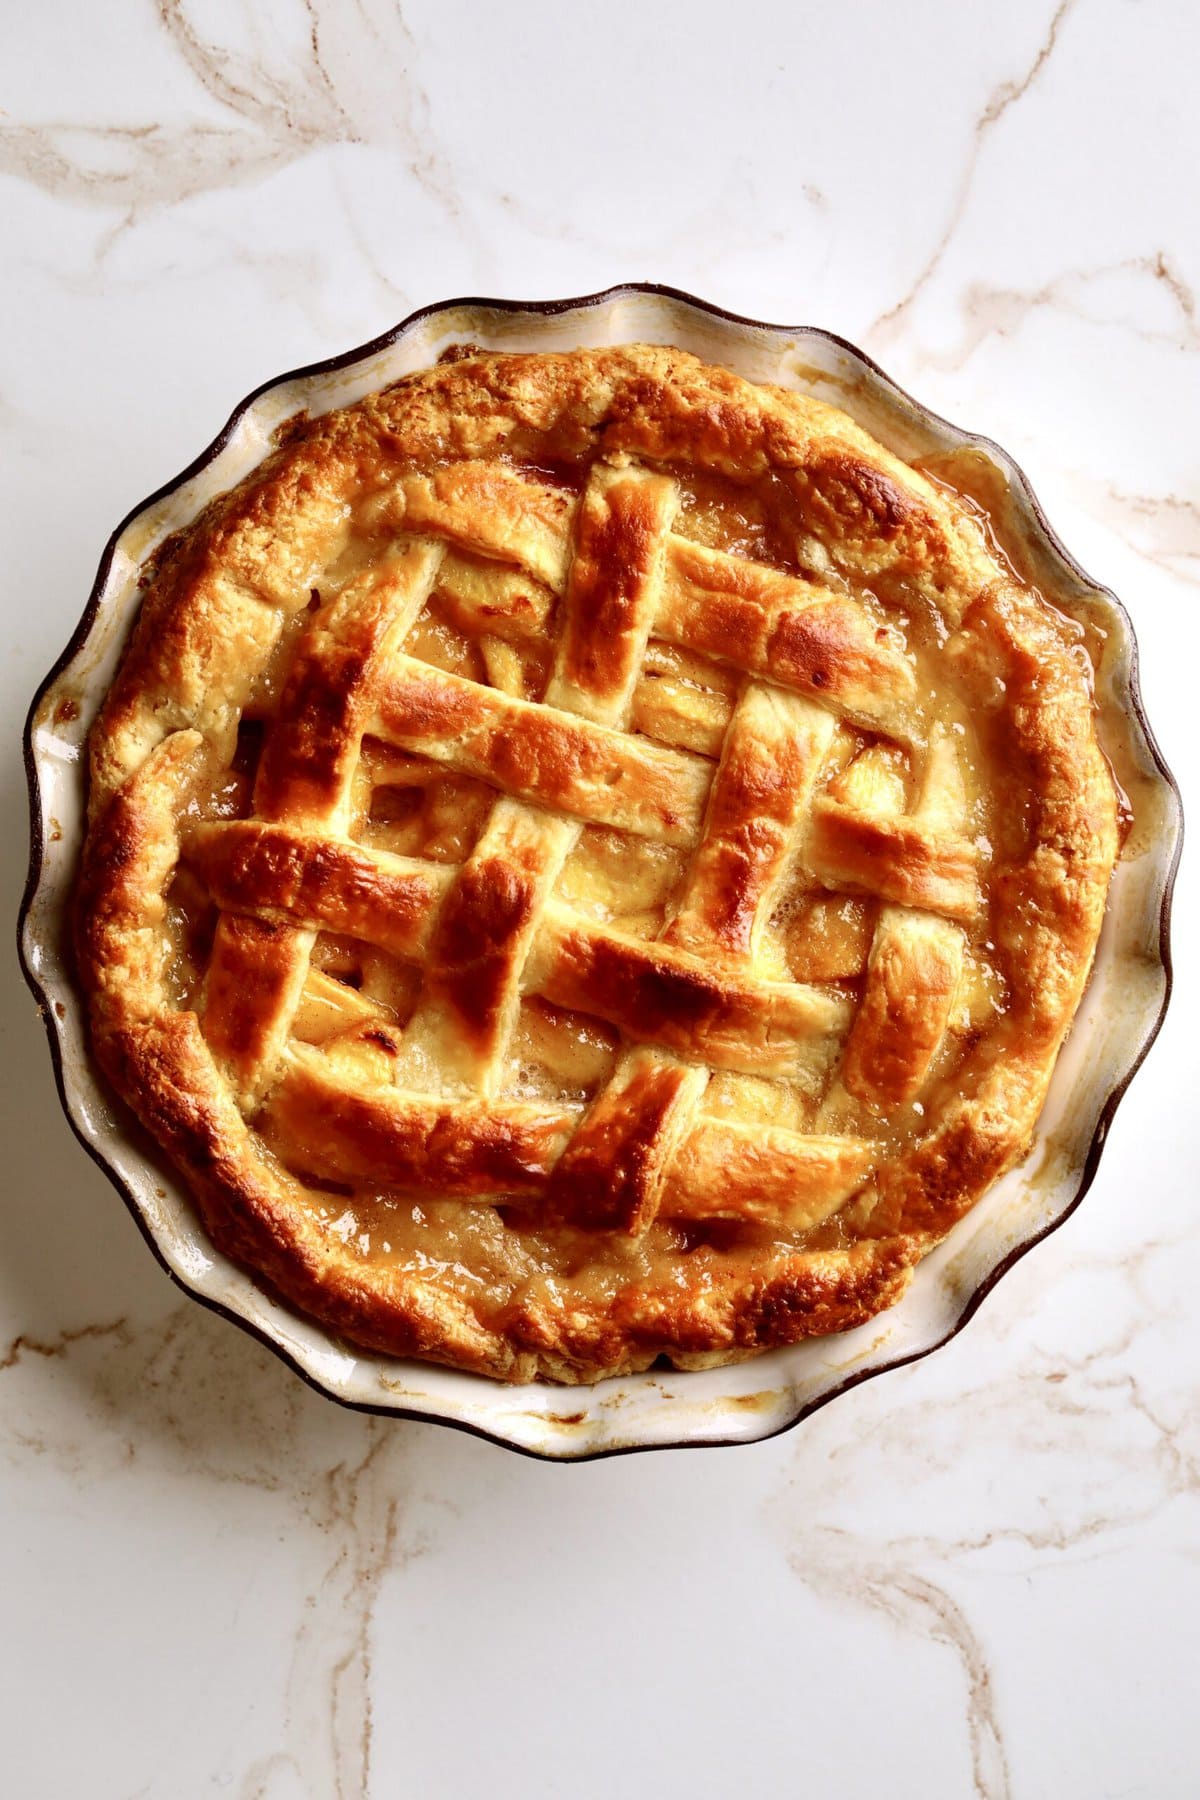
[{"x": 978, "y": 1576}]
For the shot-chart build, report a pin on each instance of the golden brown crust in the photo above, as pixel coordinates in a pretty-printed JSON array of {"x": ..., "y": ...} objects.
[{"x": 545, "y": 498}]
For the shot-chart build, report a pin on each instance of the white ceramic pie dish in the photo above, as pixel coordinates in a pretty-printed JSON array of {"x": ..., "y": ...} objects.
[{"x": 1117, "y": 1022}]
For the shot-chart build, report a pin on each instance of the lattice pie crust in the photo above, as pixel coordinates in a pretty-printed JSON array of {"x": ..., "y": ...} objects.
[{"x": 590, "y": 860}]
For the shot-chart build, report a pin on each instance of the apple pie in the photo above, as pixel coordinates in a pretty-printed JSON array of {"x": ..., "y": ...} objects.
[{"x": 590, "y": 860}]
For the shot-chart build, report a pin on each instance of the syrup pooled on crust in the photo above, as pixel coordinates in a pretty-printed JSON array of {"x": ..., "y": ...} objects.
[{"x": 589, "y": 860}]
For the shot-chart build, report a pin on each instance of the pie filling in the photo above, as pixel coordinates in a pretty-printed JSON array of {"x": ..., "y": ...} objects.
[{"x": 602, "y": 878}]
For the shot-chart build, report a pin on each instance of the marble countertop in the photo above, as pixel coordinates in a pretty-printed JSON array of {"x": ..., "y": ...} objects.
[{"x": 976, "y": 1576}]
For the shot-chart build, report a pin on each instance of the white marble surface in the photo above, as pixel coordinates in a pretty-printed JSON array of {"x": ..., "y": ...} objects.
[{"x": 976, "y": 1576}]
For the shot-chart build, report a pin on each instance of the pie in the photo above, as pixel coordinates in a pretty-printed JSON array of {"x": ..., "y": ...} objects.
[{"x": 590, "y": 860}]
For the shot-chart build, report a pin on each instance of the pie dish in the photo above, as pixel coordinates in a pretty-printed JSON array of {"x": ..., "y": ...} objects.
[{"x": 591, "y": 861}]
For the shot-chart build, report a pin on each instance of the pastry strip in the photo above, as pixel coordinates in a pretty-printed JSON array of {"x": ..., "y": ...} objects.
[
  {"x": 774, "y": 749},
  {"x": 655, "y": 991},
  {"x": 257, "y": 970},
  {"x": 765, "y": 1175},
  {"x": 612, "y": 594},
  {"x": 628, "y": 1146},
  {"x": 485, "y": 506},
  {"x": 916, "y": 959},
  {"x": 612, "y": 1174},
  {"x": 488, "y": 922},
  {"x": 912, "y": 978},
  {"x": 425, "y": 1144},
  {"x": 542, "y": 754},
  {"x": 822, "y": 644},
  {"x": 325, "y": 1122},
  {"x": 899, "y": 859},
  {"x": 807, "y": 637}
]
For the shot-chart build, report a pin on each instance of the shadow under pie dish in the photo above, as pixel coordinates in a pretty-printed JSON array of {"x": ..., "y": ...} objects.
[{"x": 591, "y": 860}]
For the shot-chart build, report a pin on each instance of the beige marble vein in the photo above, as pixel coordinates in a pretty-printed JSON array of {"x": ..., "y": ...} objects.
[
  {"x": 189, "y": 1396},
  {"x": 840, "y": 1568},
  {"x": 26, "y": 1345},
  {"x": 1089, "y": 1413},
  {"x": 1162, "y": 528},
  {"x": 891, "y": 324},
  {"x": 364, "y": 86},
  {"x": 990, "y": 312},
  {"x": 329, "y": 1698}
]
